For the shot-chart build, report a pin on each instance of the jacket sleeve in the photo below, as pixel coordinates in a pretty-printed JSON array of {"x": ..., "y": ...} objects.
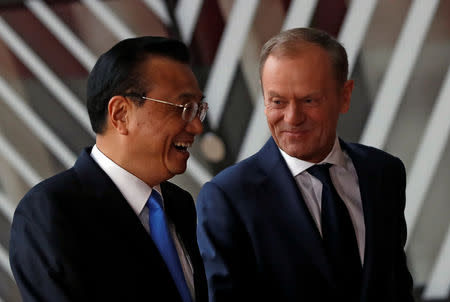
[
  {"x": 224, "y": 245},
  {"x": 405, "y": 281},
  {"x": 33, "y": 255}
]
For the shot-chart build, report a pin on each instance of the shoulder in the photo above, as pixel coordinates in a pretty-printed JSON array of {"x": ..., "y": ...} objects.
[
  {"x": 374, "y": 160},
  {"x": 239, "y": 184},
  {"x": 48, "y": 204},
  {"x": 240, "y": 173},
  {"x": 41, "y": 214},
  {"x": 58, "y": 187},
  {"x": 248, "y": 173},
  {"x": 372, "y": 156}
]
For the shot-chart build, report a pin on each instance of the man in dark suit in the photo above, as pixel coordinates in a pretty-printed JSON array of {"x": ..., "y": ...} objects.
[
  {"x": 101, "y": 231},
  {"x": 309, "y": 217}
]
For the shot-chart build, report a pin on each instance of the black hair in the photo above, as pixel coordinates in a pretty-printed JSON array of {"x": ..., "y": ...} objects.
[{"x": 117, "y": 72}]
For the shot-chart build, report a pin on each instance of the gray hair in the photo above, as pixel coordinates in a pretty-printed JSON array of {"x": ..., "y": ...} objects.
[{"x": 287, "y": 43}]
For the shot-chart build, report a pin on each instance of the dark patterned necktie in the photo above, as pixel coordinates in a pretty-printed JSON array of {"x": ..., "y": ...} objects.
[{"x": 339, "y": 236}]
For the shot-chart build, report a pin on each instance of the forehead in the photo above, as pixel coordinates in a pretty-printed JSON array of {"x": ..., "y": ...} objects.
[
  {"x": 162, "y": 72},
  {"x": 304, "y": 51},
  {"x": 309, "y": 65}
]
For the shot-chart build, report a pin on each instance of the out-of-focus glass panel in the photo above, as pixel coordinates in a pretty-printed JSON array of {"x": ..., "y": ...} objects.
[{"x": 423, "y": 88}]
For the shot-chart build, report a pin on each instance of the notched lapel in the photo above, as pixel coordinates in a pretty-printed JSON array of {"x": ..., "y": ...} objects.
[
  {"x": 292, "y": 208},
  {"x": 109, "y": 210},
  {"x": 106, "y": 199}
]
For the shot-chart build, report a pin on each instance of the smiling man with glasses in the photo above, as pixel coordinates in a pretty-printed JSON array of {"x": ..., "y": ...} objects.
[{"x": 112, "y": 228}]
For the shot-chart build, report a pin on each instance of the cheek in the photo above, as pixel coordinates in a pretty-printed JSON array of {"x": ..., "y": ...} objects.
[
  {"x": 273, "y": 116},
  {"x": 321, "y": 117},
  {"x": 326, "y": 124}
]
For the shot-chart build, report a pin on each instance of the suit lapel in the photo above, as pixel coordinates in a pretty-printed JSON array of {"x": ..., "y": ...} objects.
[
  {"x": 279, "y": 182},
  {"x": 181, "y": 211},
  {"x": 368, "y": 183},
  {"x": 179, "y": 214},
  {"x": 280, "y": 187},
  {"x": 107, "y": 199},
  {"x": 114, "y": 210}
]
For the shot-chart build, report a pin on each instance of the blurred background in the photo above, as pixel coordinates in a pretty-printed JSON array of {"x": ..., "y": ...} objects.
[{"x": 399, "y": 55}]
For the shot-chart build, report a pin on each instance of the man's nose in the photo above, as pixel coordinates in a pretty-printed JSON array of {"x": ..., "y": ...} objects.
[
  {"x": 195, "y": 126},
  {"x": 294, "y": 114}
]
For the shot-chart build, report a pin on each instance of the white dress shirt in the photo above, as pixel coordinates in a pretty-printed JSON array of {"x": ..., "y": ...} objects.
[
  {"x": 345, "y": 180},
  {"x": 136, "y": 193}
]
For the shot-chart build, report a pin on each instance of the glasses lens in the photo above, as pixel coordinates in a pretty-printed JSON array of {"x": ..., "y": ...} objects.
[
  {"x": 189, "y": 112},
  {"x": 202, "y": 111}
]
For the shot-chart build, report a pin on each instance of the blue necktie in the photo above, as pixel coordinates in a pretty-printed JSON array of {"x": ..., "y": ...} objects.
[
  {"x": 160, "y": 234},
  {"x": 339, "y": 236}
]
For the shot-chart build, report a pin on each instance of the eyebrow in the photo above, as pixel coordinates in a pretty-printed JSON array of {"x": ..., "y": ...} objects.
[
  {"x": 272, "y": 94},
  {"x": 189, "y": 96}
]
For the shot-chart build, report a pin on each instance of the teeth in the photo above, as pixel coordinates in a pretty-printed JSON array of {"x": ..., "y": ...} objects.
[{"x": 183, "y": 145}]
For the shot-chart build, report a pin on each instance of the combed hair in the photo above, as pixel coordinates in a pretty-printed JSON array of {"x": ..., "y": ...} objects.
[
  {"x": 288, "y": 43},
  {"x": 117, "y": 71}
]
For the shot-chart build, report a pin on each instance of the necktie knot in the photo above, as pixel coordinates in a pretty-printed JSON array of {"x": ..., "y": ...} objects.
[
  {"x": 155, "y": 200},
  {"x": 321, "y": 172}
]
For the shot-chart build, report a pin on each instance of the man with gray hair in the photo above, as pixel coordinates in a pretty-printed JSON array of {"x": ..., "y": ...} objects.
[{"x": 309, "y": 217}]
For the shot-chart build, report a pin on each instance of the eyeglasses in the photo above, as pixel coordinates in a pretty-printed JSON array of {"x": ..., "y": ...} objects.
[{"x": 190, "y": 109}]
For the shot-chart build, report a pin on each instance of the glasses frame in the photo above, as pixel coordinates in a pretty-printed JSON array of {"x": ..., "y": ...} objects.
[{"x": 198, "y": 106}]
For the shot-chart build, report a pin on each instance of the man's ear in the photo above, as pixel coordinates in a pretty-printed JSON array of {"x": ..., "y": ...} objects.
[
  {"x": 118, "y": 113},
  {"x": 346, "y": 96}
]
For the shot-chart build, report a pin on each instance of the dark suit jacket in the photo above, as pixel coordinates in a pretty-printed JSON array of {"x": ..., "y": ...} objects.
[
  {"x": 260, "y": 243},
  {"x": 74, "y": 237}
]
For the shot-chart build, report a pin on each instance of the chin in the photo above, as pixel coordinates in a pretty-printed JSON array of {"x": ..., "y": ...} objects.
[
  {"x": 294, "y": 150},
  {"x": 177, "y": 170}
]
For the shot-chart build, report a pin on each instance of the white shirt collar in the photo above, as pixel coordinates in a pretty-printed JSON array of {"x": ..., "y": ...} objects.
[
  {"x": 297, "y": 166},
  {"x": 135, "y": 191}
]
